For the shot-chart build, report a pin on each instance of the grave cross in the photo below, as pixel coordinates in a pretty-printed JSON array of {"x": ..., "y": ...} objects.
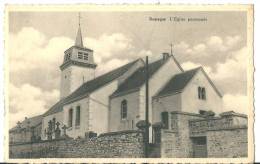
[
  {"x": 57, "y": 130},
  {"x": 64, "y": 128}
]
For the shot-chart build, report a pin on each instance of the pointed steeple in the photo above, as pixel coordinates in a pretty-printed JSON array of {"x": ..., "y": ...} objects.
[
  {"x": 78, "y": 41},
  {"x": 76, "y": 58}
]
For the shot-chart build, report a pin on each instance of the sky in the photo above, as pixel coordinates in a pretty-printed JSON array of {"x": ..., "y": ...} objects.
[{"x": 37, "y": 41}]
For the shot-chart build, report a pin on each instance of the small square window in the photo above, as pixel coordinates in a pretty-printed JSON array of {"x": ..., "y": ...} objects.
[
  {"x": 67, "y": 56},
  {"x": 80, "y": 55},
  {"x": 85, "y": 57}
]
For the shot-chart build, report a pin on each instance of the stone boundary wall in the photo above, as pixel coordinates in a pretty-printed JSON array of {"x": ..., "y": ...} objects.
[
  {"x": 177, "y": 144},
  {"x": 227, "y": 140},
  {"x": 108, "y": 145},
  {"x": 229, "y": 143},
  {"x": 170, "y": 144},
  {"x": 221, "y": 143}
]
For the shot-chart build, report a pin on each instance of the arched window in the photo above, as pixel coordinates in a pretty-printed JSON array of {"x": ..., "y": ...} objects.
[{"x": 124, "y": 109}]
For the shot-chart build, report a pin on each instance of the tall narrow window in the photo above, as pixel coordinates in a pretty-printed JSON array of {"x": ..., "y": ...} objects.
[
  {"x": 199, "y": 92},
  {"x": 203, "y": 94},
  {"x": 165, "y": 119},
  {"x": 70, "y": 117},
  {"x": 78, "y": 116},
  {"x": 123, "y": 109}
]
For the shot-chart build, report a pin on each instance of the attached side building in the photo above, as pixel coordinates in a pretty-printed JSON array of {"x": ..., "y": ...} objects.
[
  {"x": 189, "y": 91},
  {"x": 26, "y": 131},
  {"x": 127, "y": 103}
]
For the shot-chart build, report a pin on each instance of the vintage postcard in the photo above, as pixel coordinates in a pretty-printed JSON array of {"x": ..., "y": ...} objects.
[{"x": 129, "y": 83}]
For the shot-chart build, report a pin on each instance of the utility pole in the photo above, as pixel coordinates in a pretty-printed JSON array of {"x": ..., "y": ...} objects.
[{"x": 146, "y": 107}]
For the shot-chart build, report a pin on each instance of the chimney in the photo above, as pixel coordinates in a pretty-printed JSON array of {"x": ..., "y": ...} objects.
[{"x": 165, "y": 55}]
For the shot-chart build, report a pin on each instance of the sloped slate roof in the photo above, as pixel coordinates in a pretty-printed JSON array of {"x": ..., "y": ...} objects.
[
  {"x": 78, "y": 41},
  {"x": 55, "y": 108},
  {"x": 137, "y": 79},
  {"x": 178, "y": 82},
  {"x": 90, "y": 86},
  {"x": 33, "y": 121}
]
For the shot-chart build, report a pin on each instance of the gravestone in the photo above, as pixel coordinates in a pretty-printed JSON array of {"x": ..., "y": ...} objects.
[{"x": 57, "y": 131}]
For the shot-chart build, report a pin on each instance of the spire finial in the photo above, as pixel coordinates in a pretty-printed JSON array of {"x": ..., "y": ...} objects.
[
  {"x": 79, "y": 41},
  {"x": 79, "y": 19}
]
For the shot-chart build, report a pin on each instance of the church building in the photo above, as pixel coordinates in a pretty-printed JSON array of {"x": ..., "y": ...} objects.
[
  {"x": 115, "y": 101},
  {"x": 84, "y": 98},
  {"x": 105, "y": 114}
]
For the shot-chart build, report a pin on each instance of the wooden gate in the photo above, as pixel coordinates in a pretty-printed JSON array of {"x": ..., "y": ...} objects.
[{"x": 199, "y": 145}]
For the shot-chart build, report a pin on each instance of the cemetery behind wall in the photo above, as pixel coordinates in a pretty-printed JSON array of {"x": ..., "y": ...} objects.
[
  {"x": 224, "y": 141},
  {"x": 110, "y": 145}
]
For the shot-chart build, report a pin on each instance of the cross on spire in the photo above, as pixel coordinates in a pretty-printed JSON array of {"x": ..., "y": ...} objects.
[
  {"x": 78, "y": 41},
  {"x": 79, "y": 19}
]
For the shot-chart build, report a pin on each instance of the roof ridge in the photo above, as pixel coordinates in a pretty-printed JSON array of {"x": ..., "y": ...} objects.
[
  {"x": 132, "y": 62},
  {"x": 34, "y": 116},
  {"x": 178, "y": 88},
  {"x": 193, "y": 69},
  {"x": 30, "y": 119},
  {"x": 153, "y": 62},
  {"x": 143, "y": 67},
  {"x": 187, "y": 71},
  {"x": 211, "y": 82},
  {"x": 90, "y": 86},
  {"x": 186, "y": 76},
  {"x": 177, "y": 63},
  {"x": 153, "y": 68}
]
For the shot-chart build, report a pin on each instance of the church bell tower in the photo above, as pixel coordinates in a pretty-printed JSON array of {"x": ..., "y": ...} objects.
[{"x": 78, "y": 66}]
